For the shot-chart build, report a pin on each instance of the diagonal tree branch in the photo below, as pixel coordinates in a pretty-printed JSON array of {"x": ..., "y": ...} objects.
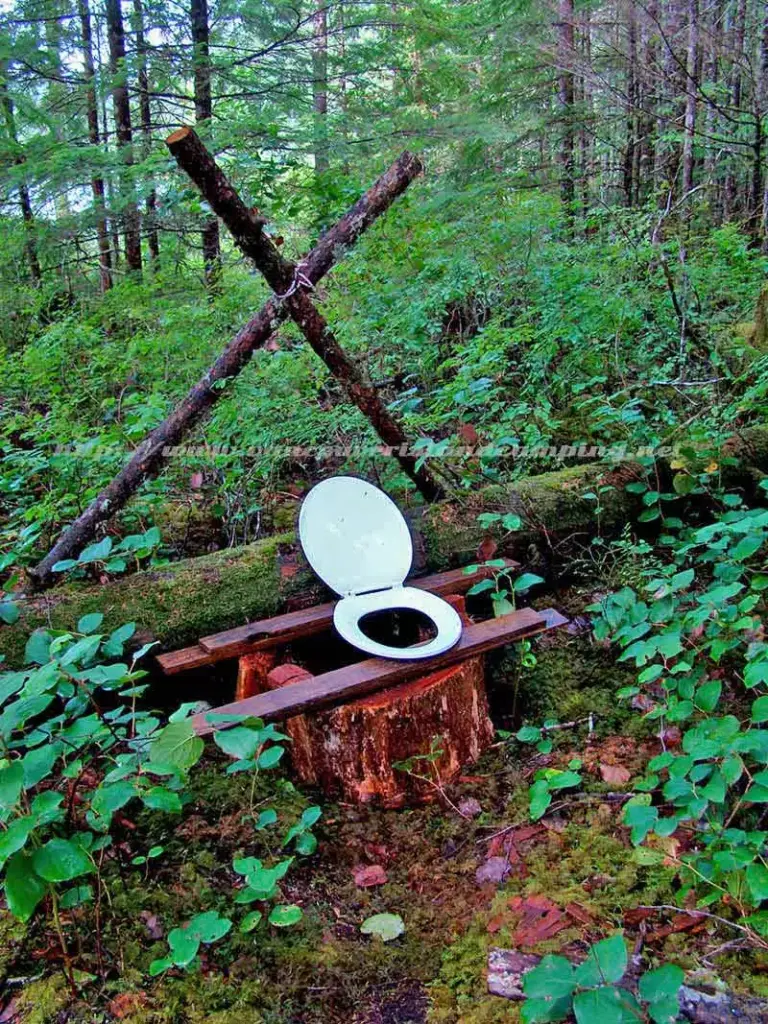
[
  {"x": 150, "y": 454},
  {"x": 290, "y": 283}
]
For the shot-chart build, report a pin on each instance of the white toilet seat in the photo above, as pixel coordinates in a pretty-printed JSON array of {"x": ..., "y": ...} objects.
[
  {"x": 357, "y": 541},
  {"x": 350, "y": 610}
]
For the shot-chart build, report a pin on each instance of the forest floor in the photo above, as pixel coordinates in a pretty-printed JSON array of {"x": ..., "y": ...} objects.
[{"x": 462, "y": 885}]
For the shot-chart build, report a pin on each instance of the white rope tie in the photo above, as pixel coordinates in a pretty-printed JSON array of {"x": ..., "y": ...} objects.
[{"x": 300, "y": 280}]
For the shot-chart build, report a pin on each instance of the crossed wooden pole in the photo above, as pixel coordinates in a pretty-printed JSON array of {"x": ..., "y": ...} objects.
[{"x": 290, "y": 283}]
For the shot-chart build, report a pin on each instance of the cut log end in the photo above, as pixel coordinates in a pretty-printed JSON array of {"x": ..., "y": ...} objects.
[{"x": 178, "y": 136}]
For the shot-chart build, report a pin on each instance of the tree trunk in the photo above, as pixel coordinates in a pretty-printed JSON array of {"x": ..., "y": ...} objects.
[
  {"x": 145, "y": 113},
  {"x": 734, "y": 84},
  {"x": 201, "y": 61},
  {"x": 150, "y": 454},
  {"x": 25, "y": 203},
  {"x": 122, "y": 113},
  {"x": 92, "y": 112},
  {"x": 691, "y": 86},
  {"x": 585, "y": 139},
  {"x": 320, "y": 88},
  {"x": 565, "y": 52},
  {"x": 631, "y": 108}
]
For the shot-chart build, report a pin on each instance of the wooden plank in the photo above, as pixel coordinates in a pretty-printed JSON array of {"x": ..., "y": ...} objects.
[
  {"x": 282, "y": 629},
  {"x": 378, "y": 673}
]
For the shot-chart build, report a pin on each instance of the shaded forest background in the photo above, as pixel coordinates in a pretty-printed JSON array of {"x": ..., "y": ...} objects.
[{"x": 591, "y": 224}]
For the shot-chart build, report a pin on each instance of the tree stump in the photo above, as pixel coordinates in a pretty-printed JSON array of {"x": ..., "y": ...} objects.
[{"x": 350, "y": 751}]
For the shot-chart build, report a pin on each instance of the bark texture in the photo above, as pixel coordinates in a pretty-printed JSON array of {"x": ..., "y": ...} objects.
[
  {"x": 351, "y": 751},
  {"x": 92, "y": 112},
  {"x": 284, "y": 279},
  {"x": 123, "y": 129}
]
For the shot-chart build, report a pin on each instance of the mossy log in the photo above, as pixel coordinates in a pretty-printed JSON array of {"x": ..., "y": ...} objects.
[{"x": 199, "y": 596}]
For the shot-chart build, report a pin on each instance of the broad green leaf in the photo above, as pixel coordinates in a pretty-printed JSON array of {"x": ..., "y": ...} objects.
[
  {"x": 540, "y": 799},
  {"x": 38, "y": 763},
  {"x": 545, "y": 1011},
  {"x": 89, "y": 623},
  {"x": 177, "y": 745},
  {"x": 385, "y": 926},
  {"x": 757, "y": 880},
  {"x": 184, "y": 946},
  {"x": 708, "y": 694},
  {"x": 23, "y": 887},
  {"x": 525, "y": 582},
  {"x": 11, "y": 783},
  {"x": 240, "y": 741},
  {"x": 160, "y": 799},
  {"x": 250, "y": 921},
  {"x": 551, "y": 979},
  {"x": 268, "y": 758},
  {"x": 606, "y": 1005},
  {"x": 61, "y": 860},
  {"x": 38, "y": 645},
  {"x": 15, "y": 837},
  {"x": 605, "y": 963},
  {"x": 760, "y": 710}
]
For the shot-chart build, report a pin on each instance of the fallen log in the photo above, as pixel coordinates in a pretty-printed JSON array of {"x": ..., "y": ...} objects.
[
  {"x": 150, "y": 454},
  {"x": 196, "y": 597},
  {"x": 289, "y": 282}
]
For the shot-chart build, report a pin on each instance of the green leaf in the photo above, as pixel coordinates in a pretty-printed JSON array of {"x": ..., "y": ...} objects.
[
  {"x": 96, "y": 552},
  {"x": 528, "y": 734},
  {"x": 250, "y": 921},
  {"x": 385, "y": 926},
  {"x": 177, "y": 745},
  {"x": 265, "y": 818},
  {"x": 641, "y": 818},
  {"x": 606, "y": 1005},
  {"x": 209, "y": 926},
  {"x": 23, "y": 887},
  {"x": 36, "y": 651},
  {"x": 38, "y": 763},
  {"x": 160, "y": 799},
  {"x": 605, "y": 963},
  {"x": 268, "y": 758},
  {"x": 757, "y": 880},
  {"x": 11, "y": 783},
  {"x": 90, "y": 622},
  {"x": 544, "y": 1011},
  {"x": 708, "y": 694},
  {"x": 525, "y": 582},
  {"x": 76, "y": 896},
  {"x": 540, "y": 799},
  {"x": 15, "y": 837},
  {"x": 183, "y": 946},
  {"x": 108, "y": 799},
  {"x": 240, "y": 741},
  {"x": 61, "y": 860},
  {"x": 760, "y": 710},
  {"x": 9, "y": 612},
  {"x": 306, "y": 844},
  {"x": 158, "y": 966},
  {"x": 660, "y": 984},
  {"x": 747, "y": 547},
  {"x": 552, "y": 979}
]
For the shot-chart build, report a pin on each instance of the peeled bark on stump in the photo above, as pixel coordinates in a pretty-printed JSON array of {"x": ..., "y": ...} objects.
[{"x": 351, "y": 751}]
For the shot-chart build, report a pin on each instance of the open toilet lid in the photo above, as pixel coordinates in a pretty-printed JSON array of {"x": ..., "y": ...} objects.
[{"x": 354, "y": 536}]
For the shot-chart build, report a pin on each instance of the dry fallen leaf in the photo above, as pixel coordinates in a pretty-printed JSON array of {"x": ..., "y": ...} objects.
[
  {"x": 367, "y": 875},
  {"x": 615, "y": 774}
]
